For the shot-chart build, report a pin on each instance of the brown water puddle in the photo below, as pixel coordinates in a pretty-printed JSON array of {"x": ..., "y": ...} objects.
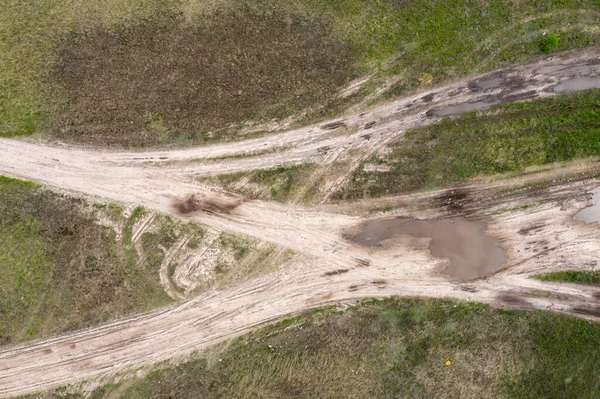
[
  {"x": 472, "y": 254},
  {"x": 578, "y": 84},
  {"x": 569, "y": 70},
  {"x": 591, "y": 214},
  {"x": 463, "y": 108}
]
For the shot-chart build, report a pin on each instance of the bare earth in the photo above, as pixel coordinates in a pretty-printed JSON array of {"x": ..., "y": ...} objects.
[{"x": 331, "y": 269}]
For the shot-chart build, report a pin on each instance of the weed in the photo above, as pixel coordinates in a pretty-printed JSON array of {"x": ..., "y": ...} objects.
[
  {"x": 572, "y": 276},
  {"x": 549, "y": 43}
]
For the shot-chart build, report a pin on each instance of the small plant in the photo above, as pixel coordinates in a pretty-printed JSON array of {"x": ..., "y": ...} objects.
[{"x": 549, "y": 43}]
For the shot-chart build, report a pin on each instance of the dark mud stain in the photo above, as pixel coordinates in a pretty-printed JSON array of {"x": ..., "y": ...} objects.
[
  {"x": 353, "y": 288},
  {"x": 428, "y": 98},
  {"x": 336, "y": 272},
  {"x": 463, "y": 108},
  {"x": 512, "y": 299},
  {"x": 535, "y": 228},
  {"x": 591, "y": 214},
  {"x": 323, "y": 150},
  {"x": 379, "y": 283},
  {"x": 370, "y": 125},
  {"x": 366, "y": 137},
  {"x": 333, "y": 125},
  {"x": 471, "y": 253},
  {"x": 193, "y": 204},
  {"x": 486, "y": 84},
  {"x": 590, "y": 68},
  {"x": 526, "y": 95},
  {"x": 363, "y": 262},
  {"x": 453, "y": 200},
  {"x": 194, "y": 77},
  {"x": 468, "y": 288},
  {"x": 578, "y": 84},
  {"x": 596, "y": 295},
  {"x": 595, "y": 312}
]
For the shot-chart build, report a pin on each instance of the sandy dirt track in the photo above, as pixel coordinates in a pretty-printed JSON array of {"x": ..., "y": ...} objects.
[{"x": 405, "y": 268}]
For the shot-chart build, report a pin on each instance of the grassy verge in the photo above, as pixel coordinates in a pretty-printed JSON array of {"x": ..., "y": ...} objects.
[
  {"x": 577, "y": 277},
  {"x": 507, "y": 138},
  {"x": 149, "y": 72},
  {"x": 280, "y": 184},
  {"x": 396, "y": 347},
  {"x": 66, "y": 264}
]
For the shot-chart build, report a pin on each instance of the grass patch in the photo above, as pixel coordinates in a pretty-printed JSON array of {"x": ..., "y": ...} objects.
[
  {"x": 507, "y": 138},
  {"x": 391, "y": 348},
  {"x": 60, "y": 269},
  {"x": 163, "y": 71},
  {"x": 280, "y": 184},
  {"x": 577, "y": 277},
  {"x": 194, "y": 78}
]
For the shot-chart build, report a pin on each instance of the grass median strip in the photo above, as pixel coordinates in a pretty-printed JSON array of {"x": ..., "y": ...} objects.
[
  {"x": 587, "y": 277},
  {"x": 506, "y": 138}
]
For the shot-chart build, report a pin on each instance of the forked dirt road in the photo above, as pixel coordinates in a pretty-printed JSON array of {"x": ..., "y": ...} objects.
[{"x": 329, "y": 269}]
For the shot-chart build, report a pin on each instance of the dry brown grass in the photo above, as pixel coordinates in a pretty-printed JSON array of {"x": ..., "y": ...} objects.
[{"x": 162, "y": 79}]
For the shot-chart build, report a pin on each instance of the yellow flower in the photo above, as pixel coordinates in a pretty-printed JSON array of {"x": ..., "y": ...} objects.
[{"x": 448, "y": 363}]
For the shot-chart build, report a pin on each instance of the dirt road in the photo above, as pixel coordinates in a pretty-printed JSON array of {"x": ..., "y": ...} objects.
[{"x": 330, "y": 268}]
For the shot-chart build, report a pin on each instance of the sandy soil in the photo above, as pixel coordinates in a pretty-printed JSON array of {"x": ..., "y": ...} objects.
[{"x": 331, "y": 268}]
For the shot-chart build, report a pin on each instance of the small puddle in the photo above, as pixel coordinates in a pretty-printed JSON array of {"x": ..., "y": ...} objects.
[
  {"x": 472, "y": 253},
  {"x": 463, "y": 108},
  {"x": 489, "y": 83},
  {"x": 591, "y": 214},
  {"x": 578, "y": 84},
  {"x": 569, "y": 70}
]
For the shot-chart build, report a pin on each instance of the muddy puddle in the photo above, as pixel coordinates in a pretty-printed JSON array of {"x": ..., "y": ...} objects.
[
  {"x": 591, "y": 214},
  {"x": 471, "y": 253},
  {"x": 489, "y": 84},
  {"x": 569, "y": 70},
  {"x": 578, "y": 84},
  {"x": 459, "y": 109}
]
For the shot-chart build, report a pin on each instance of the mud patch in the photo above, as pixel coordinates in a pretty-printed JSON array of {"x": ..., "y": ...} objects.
[
  {"x": 471, "y": 253},
  {"x": 535, "y": 228},
  {"x": 379, "y": 283},
  {"x": 336, "y": 272},
  {"x": 513, "y": 300},
  {"x": 578, "y": 84},
  {"x": 589, "y": 69},
  {"x": 428, "y": 98},
  {"x": 164, "y": 79},
  {"x": 194, "y": 204},
  {"x": 369, "y": 125},
  {"x": 591, "y": 214},
  {"x": 463, "y": 108},
  {"x": 488, "y": 84},
  {"x": 595, "y": 312},
  {"x": 453, "y": 200},
  {"x": 333, "y": 126}
]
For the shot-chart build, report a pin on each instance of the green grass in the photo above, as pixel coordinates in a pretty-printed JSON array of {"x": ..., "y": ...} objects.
[
  {"x": 60, "y": 269},
  {"x": 280, "y": 184},
  {"x": 392, "y": 348},
  {"x": 80, "y": 71},
  {"x": 507, "y": 138},
  {"x": 577, "y": 277}
]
